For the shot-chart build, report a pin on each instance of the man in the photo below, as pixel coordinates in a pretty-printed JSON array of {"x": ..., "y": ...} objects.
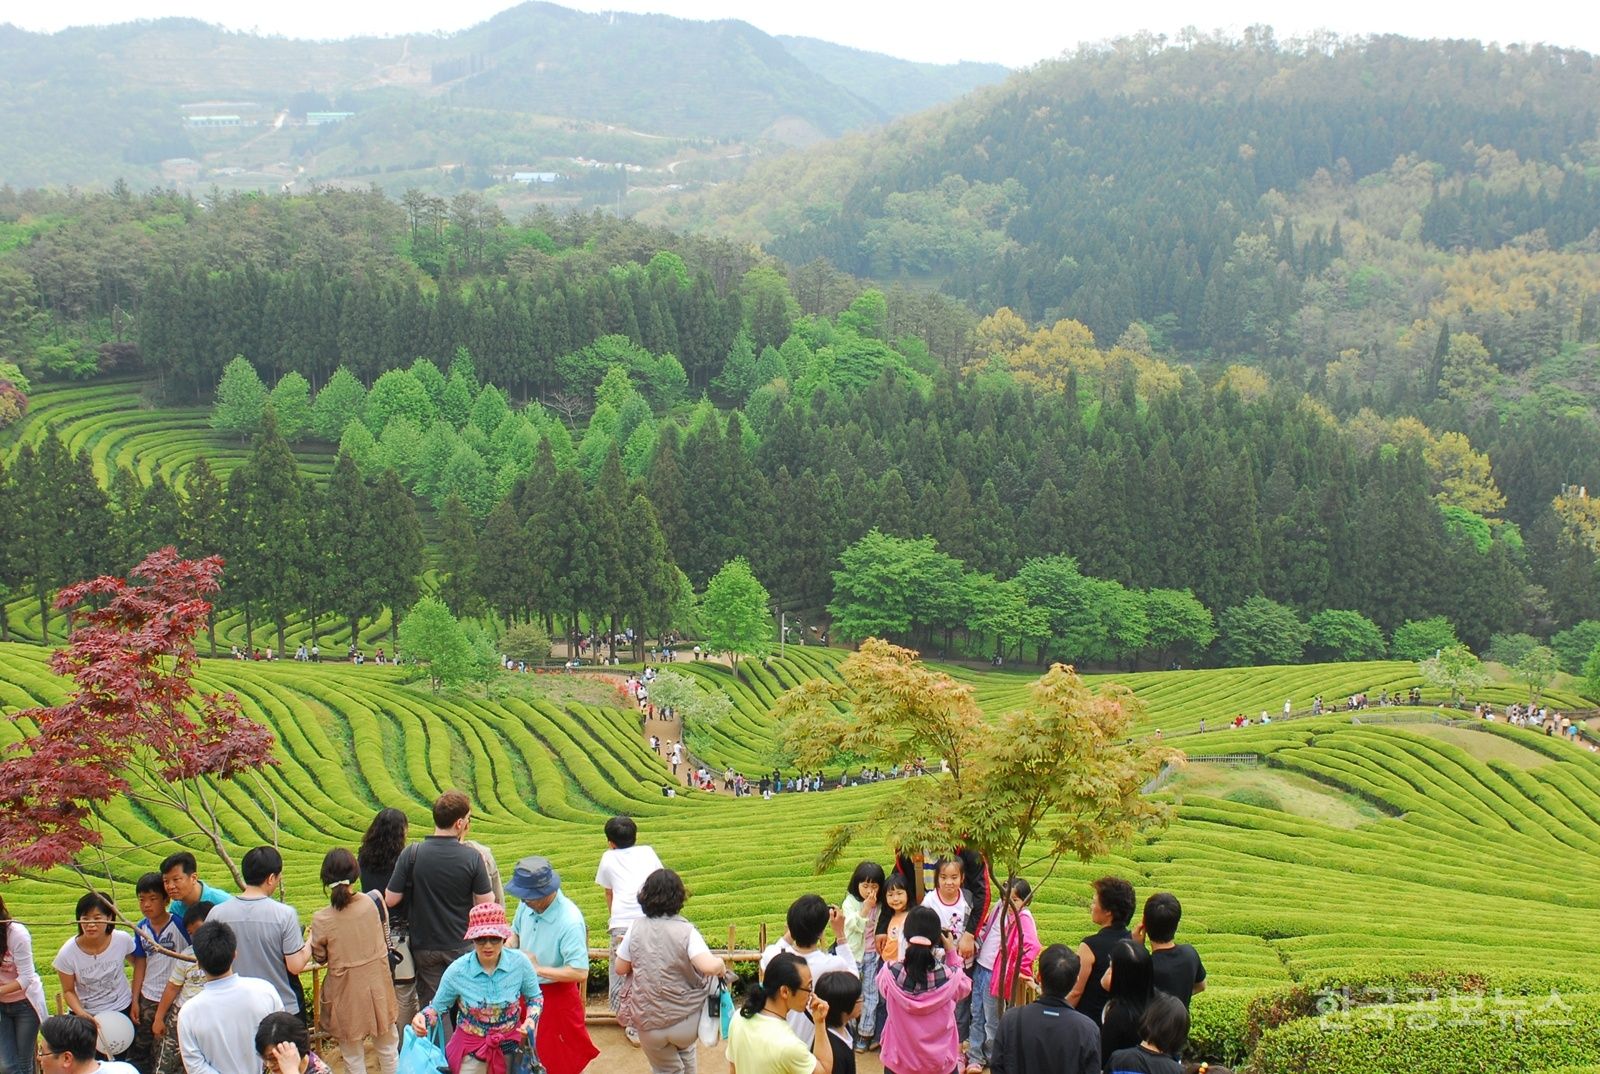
[
  {"x": 550, "y": 930},
  {"x": 1047, "y": 1036},
  {"x": 623, "y": 868},
  {"x": 444, "y": 879},
  {"x": 184, "y": 888},
  {"x": 268, "y": 940},
  {"x": 808, "y": 916},
  {"x": 67, "y": 1046},
  {"x": 217, "y": 1033}
]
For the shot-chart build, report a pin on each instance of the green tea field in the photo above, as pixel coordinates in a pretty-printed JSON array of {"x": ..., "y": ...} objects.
[{"x": 1367, "y": 855}]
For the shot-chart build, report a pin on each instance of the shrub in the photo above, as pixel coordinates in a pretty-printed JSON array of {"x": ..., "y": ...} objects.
[
  {"x": 1498, "y": 1033},
  {"x": 1344, "y": 635},
  {"x": 1418, "y": 639},
  {"x": 526, "y": 642},
  {"x": 1260, "y": 631},
  {"x": 1254, "y": 796}
]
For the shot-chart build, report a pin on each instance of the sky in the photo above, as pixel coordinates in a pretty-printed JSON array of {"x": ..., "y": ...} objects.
[{"x": 1012, "y": 32}]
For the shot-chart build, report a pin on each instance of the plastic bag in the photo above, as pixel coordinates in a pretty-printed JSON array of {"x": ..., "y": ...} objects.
[
  {"x": 727, "y": 1012},
  {"x": 423, "y": 1055}
]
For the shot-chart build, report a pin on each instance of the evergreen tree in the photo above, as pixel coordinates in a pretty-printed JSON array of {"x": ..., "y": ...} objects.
[
  {"x": 503, "y": 562},
  {"x": 202, "y": 527},
  {"x": 458, "y": 551},
  {"x": 278, "y": 557},
  {"x": 241, "y": 400},
  {"x": 348, "y": 547},
  {"x": 395, "y": 572},
  {"x": 291, "y": 402},
  {"x": 341, "y": 401}
]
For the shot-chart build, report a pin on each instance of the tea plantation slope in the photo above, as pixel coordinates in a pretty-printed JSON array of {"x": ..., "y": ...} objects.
[{"x": 1463, "y": 868}]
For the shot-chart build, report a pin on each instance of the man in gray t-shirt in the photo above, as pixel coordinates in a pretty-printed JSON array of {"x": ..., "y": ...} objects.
[{"x": 271, "y": 945}]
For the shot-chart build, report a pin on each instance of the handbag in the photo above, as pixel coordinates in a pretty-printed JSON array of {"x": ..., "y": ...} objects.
[
  {"x": 388, "y": 934},
  {"x": 402, "y": 967},
  {"x": 522, "y": 1056},
  {"x": 711, "y": 1014},
  {"x": 423, "y": 1055}
]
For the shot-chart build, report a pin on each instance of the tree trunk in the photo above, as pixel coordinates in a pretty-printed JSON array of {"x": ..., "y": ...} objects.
[
  {"x": 281, "y": 625},
  {"x": 211, "y": 630},
  {"x": 5, "y": 625},
  {"x": 44, "y": 615}
]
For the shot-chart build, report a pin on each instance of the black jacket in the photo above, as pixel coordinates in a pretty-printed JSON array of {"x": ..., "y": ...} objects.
[{"x": 1046, "y": 1037}]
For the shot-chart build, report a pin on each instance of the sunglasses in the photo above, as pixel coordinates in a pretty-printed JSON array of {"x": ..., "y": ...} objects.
[{"x": 488, "y": 939}]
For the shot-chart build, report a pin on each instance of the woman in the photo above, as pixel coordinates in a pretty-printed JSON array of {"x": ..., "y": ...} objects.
[
  {"x": 91, "y": 964},
  {"x": 358, "y": 999},
  {"x": 760, "y": 1040},
  {"x": 21, "y": 997},
  {"x": 1111, "y": 909},
  {"x": 495, "y": 992},
  {"x": 921, "y": 994},
  {"x": 380, "y": 849},
  {"x": 1130, "y": 984},
  {"x": 670, "y": 966}
]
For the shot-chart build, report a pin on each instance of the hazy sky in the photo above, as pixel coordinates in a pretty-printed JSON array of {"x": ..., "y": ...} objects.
[{"x": 1015, "y": 32}]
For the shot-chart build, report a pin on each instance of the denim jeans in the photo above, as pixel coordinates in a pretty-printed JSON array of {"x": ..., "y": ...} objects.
[
  {"x": 985, "y": 1017},
  {"x": 19, "y": 1035},
  {"x": 870, "y": 964}
]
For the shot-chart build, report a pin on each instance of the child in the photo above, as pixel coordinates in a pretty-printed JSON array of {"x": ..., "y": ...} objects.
[
  {"x": 950, "y": 901},
  {"x": 996, "y": 970},
  {"x": 152, "y": 967},
  {"x": 922, "y": 992},
  {"x": 1177, "y": 967},
  {"x": 861, "y": 907},
  {"x": 183, "y": 984},
  {"x": 842, "y": 993},
  {"x": 889, "y": 941},
  {"x": 1165, "y": 1030}
]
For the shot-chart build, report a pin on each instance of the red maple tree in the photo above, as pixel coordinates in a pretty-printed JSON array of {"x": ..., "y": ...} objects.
[{"x": 135, "y": 726}]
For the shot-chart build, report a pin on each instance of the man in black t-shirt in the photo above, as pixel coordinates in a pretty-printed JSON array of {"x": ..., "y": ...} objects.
[
  {"x": 443, "y": 879},
  {"x": 1047, "y": 1036},
  {"x": 1175, "y": 967}
]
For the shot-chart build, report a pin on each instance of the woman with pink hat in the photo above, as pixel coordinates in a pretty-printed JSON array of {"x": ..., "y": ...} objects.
[{"x": 495, "y": 991}]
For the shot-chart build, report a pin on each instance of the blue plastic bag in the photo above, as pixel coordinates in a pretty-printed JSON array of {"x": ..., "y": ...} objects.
[
  {"x": 423, "y": 1055},
  {"x": 727, "y": 1012}
]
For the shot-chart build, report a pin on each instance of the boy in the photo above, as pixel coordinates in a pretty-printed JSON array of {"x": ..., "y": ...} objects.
[
  {"x": 183, "y": 984},
  {"x": 152, "y": 966},
  {"x": 623, "y": 868},
  {"x": 1175, "y": 967}
]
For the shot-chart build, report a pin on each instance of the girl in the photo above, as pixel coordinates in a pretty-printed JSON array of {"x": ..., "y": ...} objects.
[
  {"x": 1129, "y": 981},
  {"x": 922, "y": 993},
  {"x": 1164, "y": 1031},
  {"x": 997, "y": 970},
  {"x": 889, "y": 941},
  {"x": 22, "y": 1006},
  {"x": 950, "y": 900},
  {"x": 91, "y": 963},
  {"x": 841, "y": 991},
  {"x": 861, "y": 908},
  {"x": 358, "y": 998},
  {"x": 760, "y": 1040}
]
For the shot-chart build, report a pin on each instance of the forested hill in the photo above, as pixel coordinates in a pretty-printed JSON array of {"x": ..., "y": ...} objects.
[
  {"x": 533, "y": 87},
  {"x": 1301, "y": 205}
]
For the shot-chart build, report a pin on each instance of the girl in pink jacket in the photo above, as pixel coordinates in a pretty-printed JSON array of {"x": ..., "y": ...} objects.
[{"x": 921, "y": 994}]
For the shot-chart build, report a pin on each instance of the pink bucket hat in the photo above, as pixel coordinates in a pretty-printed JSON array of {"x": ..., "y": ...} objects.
[{"x": 487, "y": 919}]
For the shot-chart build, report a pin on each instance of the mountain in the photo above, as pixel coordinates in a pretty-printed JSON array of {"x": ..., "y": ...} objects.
[
  {"x": 1338, "y": 211},
  {"x": 538, "y": 87},
  {"x": 894, "y": 87}
]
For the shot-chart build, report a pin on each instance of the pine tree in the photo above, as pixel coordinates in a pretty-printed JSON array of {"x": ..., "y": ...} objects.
[
  {"x": 201, "y": 529},
  {"x": 277, "y": 528},
  {"x": 502, "y": 562},
  {"x": 458, "y": 550},
  {"x": 349, "y": 547},
  {"x": 395, "y": 571}
]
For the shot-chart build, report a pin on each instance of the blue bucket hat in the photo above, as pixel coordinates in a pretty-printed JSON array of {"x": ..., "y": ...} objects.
[{"x": 534, "y": 878}]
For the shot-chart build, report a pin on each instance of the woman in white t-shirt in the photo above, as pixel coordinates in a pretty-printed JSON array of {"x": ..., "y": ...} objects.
[{"x": 92, "y": 964}]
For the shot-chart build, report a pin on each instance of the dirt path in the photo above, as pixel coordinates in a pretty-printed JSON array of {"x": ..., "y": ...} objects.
[{"x": 617, "y": 1056}]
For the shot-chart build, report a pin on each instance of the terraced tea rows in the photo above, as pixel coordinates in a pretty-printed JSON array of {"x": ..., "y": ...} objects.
[{"x": 1466, "y": 867}]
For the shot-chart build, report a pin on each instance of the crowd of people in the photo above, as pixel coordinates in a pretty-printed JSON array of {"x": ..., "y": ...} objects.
[{"x": 415, "y": 939}]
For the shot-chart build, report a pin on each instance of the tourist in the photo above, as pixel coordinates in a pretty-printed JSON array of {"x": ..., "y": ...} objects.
[
  {"x": 842, "y": 993},
  {"x": 269, "y": 943},
  {"x": 623, "y": 868},
  {"x": 349, "y": 938},
  {"x": 179, "y": 876},
  {"x": 1164, "y": 1032},
  {"x": 997, "y": 968},
  {"x": 953, "y": 904},
  {"x": 284, "y": 1045},
  {"x": 494, "y": 990},
  {"x": 22, "y": 1004},
  {"x": 157, "y": 940},
  {"x": 217, "y": 1031},
  {"x": 922, "y": 993},
  {"x": 671, "y": 967},
  {"x": 550, "y": 930},
  {"x": 809, "y": 916},
  {"x": 1111, "y": 909},
  {"x": 70, "y": 1041},
  {"x": 1128, "y": 986},
  {"x": 380, "y": 849},
  {"x": 861, "y": 909},
  {"x": 90, "y": 965},
  {"x": 183, "y": 984},
  {"x": 1047, "y": 1036},
  {"x": 1175, "y": 967},
  {"x": 443, "y": 881},
  {"x": 760, "y": 1040}
]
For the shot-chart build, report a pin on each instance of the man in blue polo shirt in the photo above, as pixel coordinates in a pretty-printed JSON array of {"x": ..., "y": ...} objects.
[
  {"x": 550, "y": 930},
  {"x": 184, "y": 888}
]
